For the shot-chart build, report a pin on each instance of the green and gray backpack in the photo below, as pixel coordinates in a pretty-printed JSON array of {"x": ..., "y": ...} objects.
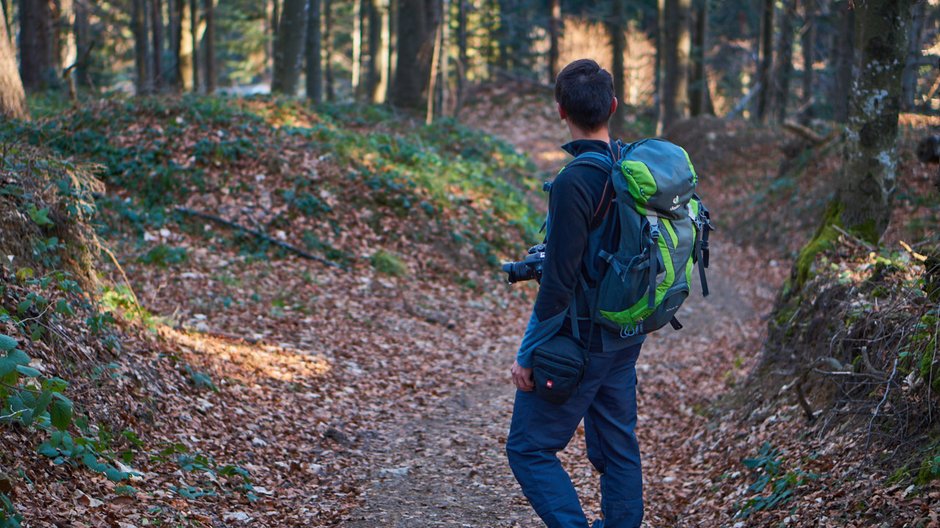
[{"x": 663, "y": 235}]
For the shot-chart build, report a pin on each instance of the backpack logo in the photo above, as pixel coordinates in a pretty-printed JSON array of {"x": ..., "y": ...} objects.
[
  {"x": 676, "y": 199},
  {"x": 676, "y": 202}
]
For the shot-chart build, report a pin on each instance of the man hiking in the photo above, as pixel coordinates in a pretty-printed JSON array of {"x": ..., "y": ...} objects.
[{"x": 578, "y": 226}]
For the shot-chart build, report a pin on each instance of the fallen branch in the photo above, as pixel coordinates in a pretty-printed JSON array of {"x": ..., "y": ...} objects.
[
  {"x": 805, "y": 132},
  {"x": 853, "y": 238},
  {"x": 258, "y": 234}
]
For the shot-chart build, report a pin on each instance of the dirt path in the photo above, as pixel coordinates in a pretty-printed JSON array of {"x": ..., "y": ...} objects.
[{"x": 445, "y": 466}]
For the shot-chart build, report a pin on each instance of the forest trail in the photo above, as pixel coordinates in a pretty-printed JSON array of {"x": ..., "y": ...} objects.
[{"x": 444, "y": 464}]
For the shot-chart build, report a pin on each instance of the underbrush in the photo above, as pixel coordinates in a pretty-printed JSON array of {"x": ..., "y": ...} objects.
[{"x": 341, "y": 181}]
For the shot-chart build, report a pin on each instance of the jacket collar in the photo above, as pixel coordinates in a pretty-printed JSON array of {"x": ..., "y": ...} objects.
[{"x": 580, "y": 146}]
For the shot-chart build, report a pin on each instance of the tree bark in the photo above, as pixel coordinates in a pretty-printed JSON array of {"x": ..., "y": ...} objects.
[
  {"x": 287, "y": 47},
  {"x": 677, "y": 46},
  {"x": 698, "y": 83},
  {"x": 445, "y": 55},
  {"x": 314, "y": 53},
  {"x": 432, "y": 82},
  {"x": 784, "y": 61},
  {"x": 209, "y": 45},
  {"x": 142, "y": 64},
  {"x": 415, "y": 41},
  {"x": 844, "y": 60},
  {"x": 909, "y": 82},
  {"x": 38, "y": 59},
  {"x": 328, "y": 49},
  {"x": 64, "y": 36},
  {"x": 12, "y": 95},
  {"x": 658, "y": 69},
  {"x": 869, "y": 174},
  {"x": 809, "y": 58},
  {"x": 765, "y": 62},
  {"x": 156, "y": 21},
  {"x": 356, "y": 47},
  {"x": 194, "y": 23},
  {"x": 616, "y": 28},
  {"x": 177, "y": 11},
  {"x": 83, "y": 43},
  {"x": 555, "y": 26}
]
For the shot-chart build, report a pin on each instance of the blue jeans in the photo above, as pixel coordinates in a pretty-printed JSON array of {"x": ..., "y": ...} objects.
[{"x": 607, "y": 402}]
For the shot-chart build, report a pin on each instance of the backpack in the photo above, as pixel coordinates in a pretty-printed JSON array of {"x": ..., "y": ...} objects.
[{"x": 663, "y": 234}]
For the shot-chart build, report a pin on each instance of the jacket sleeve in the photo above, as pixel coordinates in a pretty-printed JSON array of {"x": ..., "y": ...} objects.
[{"x": 570, "y": 208}]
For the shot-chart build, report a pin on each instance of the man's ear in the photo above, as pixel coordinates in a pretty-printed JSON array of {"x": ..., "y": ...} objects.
[
  {"x": 613, "y": 106},
  {"x": 561, "y": 112}
]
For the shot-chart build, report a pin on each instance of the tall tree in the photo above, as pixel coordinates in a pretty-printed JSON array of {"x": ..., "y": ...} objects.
[
  {"x": 784, "y": 61},
  {"x": 177, "y": 10},
  {"x": 616, "y": 28},
  {"x": 378, "y": 50},
  {"x": 913, "y": 62},
  {"x": 12, "y": 96},
  {"x": 555, "y": 26},
  {"x": 844, "y": 59},
  {"x": 869, "y": 170},
  {"x": 356, "y": 47},
  {"x": 808, "y": 44},
  {"x": 208, "y": 44},
  {"x": 415, "y": 39},
  {"x": 676, "y": 49},
  {"x": 83, "y": 43},
  {"x": 156, "y": 21},
  {"x": 287, "y": 46},
  {"x": 38, "y": 60},
  {"x": 142, "y": 60},
  {"x": 765, "y": 61},
  {"x": 462, "y": 57},
  {"x": 699, "y": 99},
  {"x": 194, "y": 24},
  {"x": 314, "y": 53},
  {"x": 328, "y": 49}
]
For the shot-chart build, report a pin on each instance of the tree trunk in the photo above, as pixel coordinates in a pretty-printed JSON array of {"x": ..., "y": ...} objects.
[
  {"x": 37, "y": 51},
  {"x": 356, "y": 46},
  {"x": 677, "y": 47},
  {"x": 444, "y": 55},
  {"x": 869, "y": 174},
  {"x": 462, "y": 57},
  {"x": 328, "y": 48},
  {"x": 194, "y": 24},
  {"x": 65, "y": 33},
  {"x": 432, "y": 82},
  {"x": 175, "y": 73},
  {"x": 374, "y": 43},
  {"x": 287, "y": 47},
  {"x": 765, "y": 62},
  {"x": 844, "y": 60},
  {"x": 415, "y": 41},
  {"x": 314, "y": 53},
  {"x": 616, "y": 28},
  {"x": 83, "y": 43},
  {"x": 555, "y": 26},
  {"x": 698, "y": 83},
  {"x": 12, "y": 96},
  {"x": 144, "y": 84},
  {"x": 156, "y": 21},
  {"x": 209, "y": 45},
  {"x": 909, "y": 82},
  {"x": 659, "y": 101},
  {"x": 784, "y": 61},
  {"x": 809, "y": 57}
]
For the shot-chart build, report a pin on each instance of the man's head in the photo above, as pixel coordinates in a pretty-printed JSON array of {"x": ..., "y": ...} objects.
[{"x": 585, "y": 95}]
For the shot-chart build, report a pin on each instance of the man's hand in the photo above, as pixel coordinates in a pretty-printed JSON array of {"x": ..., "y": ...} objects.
[{"x": 522, "y": 377}]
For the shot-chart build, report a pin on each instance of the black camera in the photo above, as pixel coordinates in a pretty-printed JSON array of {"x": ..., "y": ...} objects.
[{"x": 528, "y": 268}]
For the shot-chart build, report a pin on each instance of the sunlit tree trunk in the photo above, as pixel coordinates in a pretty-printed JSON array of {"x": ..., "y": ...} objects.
[
  {"x": 676, "y": 47},
  {"x": 12, "y": 96},
  {"x": 765, "y": 62},
  {"x": 194, "y": 24},
  {"x": 314, "y": 53},
  {"x": 869, "y": 174},
  {"x": 288, "y": 44},
  {"x": 784, "y": 61},
  {"x": 356, "y": 46},
  {"x": 555, "y": 25},
  {"x": 378, "y": 50},
  {"x": 38, "y": 61}
]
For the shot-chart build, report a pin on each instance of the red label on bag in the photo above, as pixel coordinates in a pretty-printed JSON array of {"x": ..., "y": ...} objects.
[{"x": 549, "y": 384}]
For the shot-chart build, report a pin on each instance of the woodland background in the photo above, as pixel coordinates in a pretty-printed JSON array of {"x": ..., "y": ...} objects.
[{"x": 250, "y": 256}]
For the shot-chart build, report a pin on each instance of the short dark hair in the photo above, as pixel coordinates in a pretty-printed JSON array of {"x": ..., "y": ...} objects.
[{"x": 585, "y": 92}]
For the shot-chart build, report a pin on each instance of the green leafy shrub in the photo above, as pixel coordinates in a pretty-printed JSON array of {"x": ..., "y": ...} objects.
[{"x": 387, "y": 263}]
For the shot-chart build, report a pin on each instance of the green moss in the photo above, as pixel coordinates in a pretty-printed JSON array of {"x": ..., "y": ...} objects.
[
  {"x": 821, "y": 241},
  {"x": 387, "y": 263}
]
